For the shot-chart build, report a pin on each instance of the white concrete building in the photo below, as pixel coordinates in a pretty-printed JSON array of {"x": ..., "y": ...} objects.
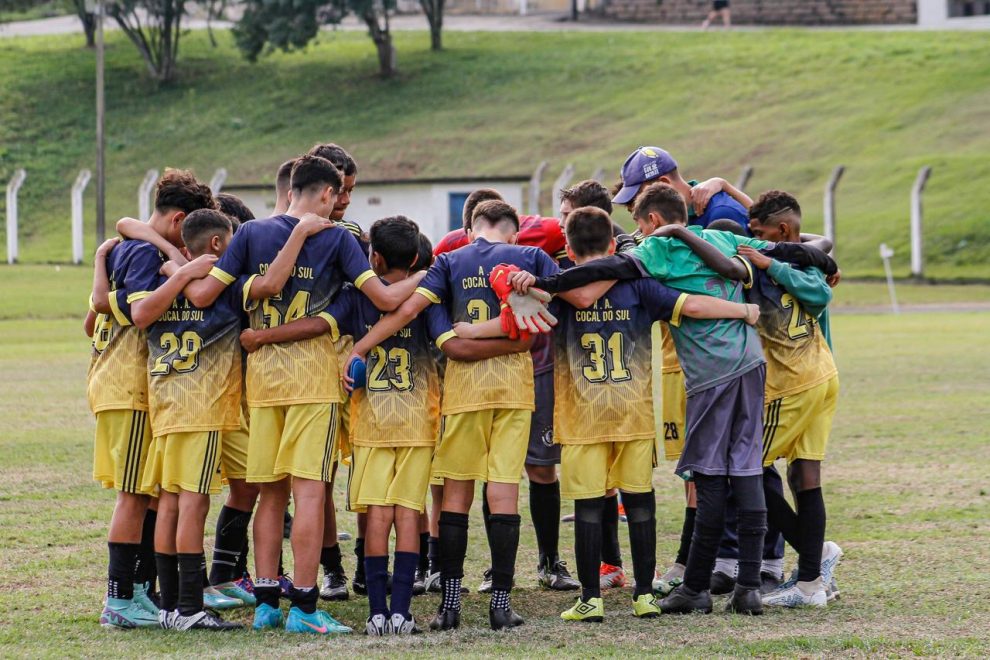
[
  {"x": 434, "y": 204},
  {"x": 941, "y": 14}
]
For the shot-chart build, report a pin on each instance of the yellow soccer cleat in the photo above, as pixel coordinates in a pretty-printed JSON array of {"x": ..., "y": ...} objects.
[
  {"x": 646, "y": 606},
  {"x": 593, "y": 610}
]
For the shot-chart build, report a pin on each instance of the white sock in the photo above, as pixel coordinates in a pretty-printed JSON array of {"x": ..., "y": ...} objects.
[{"x": 728, "y": 566}]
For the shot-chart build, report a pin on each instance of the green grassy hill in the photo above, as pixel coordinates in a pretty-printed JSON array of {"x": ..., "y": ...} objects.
[{"x": 792, "y": 103}]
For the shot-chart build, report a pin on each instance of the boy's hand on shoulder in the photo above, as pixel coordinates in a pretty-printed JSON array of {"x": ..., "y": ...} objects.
[
  {"x": 106, "y": 247},
  {"x": 250, "y": 340},
  {"x": 702, "y": 193},
  {"x": 199, "y": 267},
  {"x": 752, "y": 314},
  {"x": 311, "y": 224},
  {"x": 521, "y": 281},
  {"x": 668, "y": 231},
  {"x": 833, "y": 280},
  {"x": 169, "y": 268},
  {"x": 755, "y": 257}
]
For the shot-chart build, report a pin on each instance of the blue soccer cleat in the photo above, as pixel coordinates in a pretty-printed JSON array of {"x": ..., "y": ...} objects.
[
  {"x": 267, "y": 617},
  {"x": 317, "y": 623}
]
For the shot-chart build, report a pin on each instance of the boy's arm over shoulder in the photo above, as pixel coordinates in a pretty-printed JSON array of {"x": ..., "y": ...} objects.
[
  {"x": 661, "y": 302},
  {"x": 802, "y": 256},
  {"x": 807, "y": 286},
  {"x": 625, "y": 266},
  {"x": 231, "y": 265},
  {"x": 140, "y": 278}
]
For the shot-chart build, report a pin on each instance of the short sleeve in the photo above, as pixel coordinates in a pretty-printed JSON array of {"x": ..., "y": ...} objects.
[
  {"x": 141, "y": 277},
  {"x": 661, "y": 302},
  {"x": 654, "y": 254},
  {"x": 233, "y": 262},
  {"x": 342, "y": 314},
  {"x": 438, "y": 325},
  {"x": 352, "y": 261},
  {"x": 435, "y": 286},
  {"x": 544, "y": 266}
]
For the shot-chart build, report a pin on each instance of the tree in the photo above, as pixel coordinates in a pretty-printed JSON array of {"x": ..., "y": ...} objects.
[
  {"x": 434, "y": 15},
  {"x": 88, "y": 20},
  {"x": 154, "y": 27}
]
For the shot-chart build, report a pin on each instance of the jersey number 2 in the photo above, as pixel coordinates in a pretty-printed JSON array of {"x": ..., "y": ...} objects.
[
  {"x": 380, "y": 379},
  {"x": 800, "y": 319},
  {"x": 186, "y": 347}
]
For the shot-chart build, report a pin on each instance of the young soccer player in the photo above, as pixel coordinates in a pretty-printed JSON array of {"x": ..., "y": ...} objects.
[
  {"x": 293, "y": 390},
  {"x": 117, "y": 389},
  {"x": 283, "y": 186}
]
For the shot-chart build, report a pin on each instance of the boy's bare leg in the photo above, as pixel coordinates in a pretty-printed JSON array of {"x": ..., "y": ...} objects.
[
  {"x": 307, "y": 530},
  {"x": 268, "y": 523}
]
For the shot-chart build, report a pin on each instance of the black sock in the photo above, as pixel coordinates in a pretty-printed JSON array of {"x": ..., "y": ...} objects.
[
  {"x": 811, "y": 521},
  {"x": 145, "y": 570},
  {"x": 304, "y": 599},
  {"x": 190, "y": 583},
  {"x": 588, "y": 544},
  {"x": 687, "y": 531},
  {"x": 120, "y": 573},
  {"x": 544, "y": 507},
  {"x": 206, "y": 578},
  {"x": 751, "y": 528},
  {"x": 402, "y": 582},
  {"x": 330, "y": 559},
  {"x": 433, "y": 554},
  {"x": 423, "y": 560},
  {"x": 641, "y": 514},
  {"x": 486, "y": 512},
  {"x": 453, "y": 548},
  {"x": 267, "y": 592},
  {"x": 376, "y": 574},
  {"x": 504, "y": 543},
  {"x": 281, "y": 566},
  {"x": 359, "y": 575},
  {"x": 782, "y": 517},
  {"x": 708, "y": 524},
  {"x": 611, "y": 554},
  {"x": 232, "y": 532},
  {"x": 168, "y": 581}
]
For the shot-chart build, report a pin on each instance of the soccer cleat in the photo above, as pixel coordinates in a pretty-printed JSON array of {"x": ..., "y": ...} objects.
[
  {"x": 400, "y": 625},
  {"x": 358, "y": 584},
  {"x": 683, "y": 600},
  {"x": 745, "y": 601},
  {"x": 124, "y": 614},
  {"x": 646, "y": 607},
  {"x": 334, "y": 586},
  {"x": 793, "y": 596},
  {"x": 592, "y": 610},
  {"x": 232, "y": 590},
  {"x": 611, "y": 577},
  {"x": 831, "y": 555},
  {"x": 486, "y": 582},
  {"x": 267, "y": 617},
  {"x": 567, "y": 518},
  {"x": 446, "y": 620},
  {"x": 502, "y": 618},
  {"x": 166, "y": 618},
  {"x": 201, "y": 621},
  {"x": 246, "y": 583},
  {"x": 284, "y": 585},
  {"x": 555, "y": 576},
  {"x": 317, "y": 623},
  {"x": 214, "y": 600},
  {"x": 769, "y": 582},
  {"x": 143, "y": 599},
  {"x": 377, "y": 626},
  {"x": 419, "y": 583},
  {"x": 832, "y": 591},
  {"x": 622, "y": 513},
  {"x": 343, "y": 536},
  {"x": 432, "y": 583},
  {"x": 669, "y": 581},
  {"x": 722, "y": 583}
]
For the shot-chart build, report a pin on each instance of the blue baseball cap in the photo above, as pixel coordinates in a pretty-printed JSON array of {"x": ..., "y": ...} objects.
[{"x": 644, "y": 164}]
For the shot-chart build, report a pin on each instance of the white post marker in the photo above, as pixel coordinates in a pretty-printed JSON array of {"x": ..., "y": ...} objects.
[
  {"x": 12, "y": 189},
  {"x": 833, "y": 182},
  {"x": 917, "y": 243},
  {"x": 219, "y": 178},
  {"x": 561, "y": 183},
  {"x": 78, "y": 188},
  {"x": 598, "y": 175},
  {"x": 886, "y": 253},
  {"x": 535, "y": 182},
  {"x": 144, "y": 195},
  {"x": 744, "y": 177}
]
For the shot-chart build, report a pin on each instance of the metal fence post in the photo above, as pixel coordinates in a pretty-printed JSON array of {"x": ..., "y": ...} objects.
[
  {"x": 599, "y": 175},
  {"x": 744, "y": 177},
  {"x": 219, "y": 178},
  {"x": 561, "y": 183},
  {"x": 12, "y": 189},
  {"x": 917, "y": 243},
  {"x": 78, "y": 188},
  {"x": 534, "y": 188},
  {"x": 833, "y": 182},
  {"x": 144, "y": 195}
]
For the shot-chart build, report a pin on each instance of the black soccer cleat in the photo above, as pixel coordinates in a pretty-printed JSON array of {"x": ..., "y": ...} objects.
[
  {"x": 769, "y": 582},
  {"x": 503, "y": 618},
  {"x": 446, "y": 620},
  {"x": 722, "y": 583},
  {"x": 745, "y": 600},
  {"x": 684, "y": 600}
]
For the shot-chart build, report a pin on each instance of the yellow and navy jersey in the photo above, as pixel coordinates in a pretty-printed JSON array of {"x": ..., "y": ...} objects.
[
  {"x": 458, "y": 280},
  {"x": 603, "y": 381},
  {"x": 118, "y": 372},
  {"x": 296, "y": 372},
  {"x": 358, "y": 233},
  {"x": 400, "y": 404},
  {"x": 790, "y": 301},
  {"x": 194, "y": 366},
  {"x": 670, "y": 363}
]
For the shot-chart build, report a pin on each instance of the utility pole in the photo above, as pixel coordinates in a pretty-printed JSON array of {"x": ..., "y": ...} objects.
[{"x": 101, "y": 179}]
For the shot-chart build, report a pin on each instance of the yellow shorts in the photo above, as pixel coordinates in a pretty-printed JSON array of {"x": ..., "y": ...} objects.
[
  {"x": 674, "y": 411},
  {"x": 298, "y": 440},
  {"x": 234, "y": 451},
  {"x": 344, "y": 433},
  {"x": 121, "y": 449},
  {"x": 590, "y": 470},
  {"x": 186, "y": 461},
  {"x": 797, "y": 427},
  {"x": 389, "y": 476},
  {"x": 483, "y": 445}
]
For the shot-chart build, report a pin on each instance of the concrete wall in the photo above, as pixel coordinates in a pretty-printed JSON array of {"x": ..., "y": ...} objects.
[{"x": 769, "y": 12}]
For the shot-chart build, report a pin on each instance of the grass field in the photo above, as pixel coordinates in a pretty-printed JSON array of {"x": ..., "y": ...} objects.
[
  {"x": 792, "y": 103},
  {"x": 907, "y": 482}
]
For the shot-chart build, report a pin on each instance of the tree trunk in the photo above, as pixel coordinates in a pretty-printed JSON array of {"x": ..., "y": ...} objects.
[
  {"x": 88, "y": 21},
  {"x": 434, "y": 16},
  {"x": 382, "y": 37}
]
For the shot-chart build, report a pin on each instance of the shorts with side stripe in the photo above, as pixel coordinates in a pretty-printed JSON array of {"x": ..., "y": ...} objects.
[
  {"x": 298, "y": 440},
  {"x": 121, "y": 449},
  {"x": 188, "y": 461},
  {"x": 233, "y": 457},
  {"x": 797, "y": 426}
]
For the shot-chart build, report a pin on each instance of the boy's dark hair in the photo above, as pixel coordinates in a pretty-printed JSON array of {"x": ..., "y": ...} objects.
[
  {"x": 234, "y": 207},
  {"x": 589, "y": 231},
  {"x": 396, "y": 238},
  {"x": 424, "y": 258},
  {"x": 495, "y": 212},
  {"x": 179, "y": 190},
  {"x": 724, "y": 224},
  {"x": 311, "y": 173},
  {"x": 477, "y": 197},
  {"x": 337, "y": 155},
  {"x": 588, "y": 193},
  {"x": 283, "y": 178},
  {"x": 663, "y": 200},
  {"x": 201, "y": 226},
  {"x": 772, "y": 203}
]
